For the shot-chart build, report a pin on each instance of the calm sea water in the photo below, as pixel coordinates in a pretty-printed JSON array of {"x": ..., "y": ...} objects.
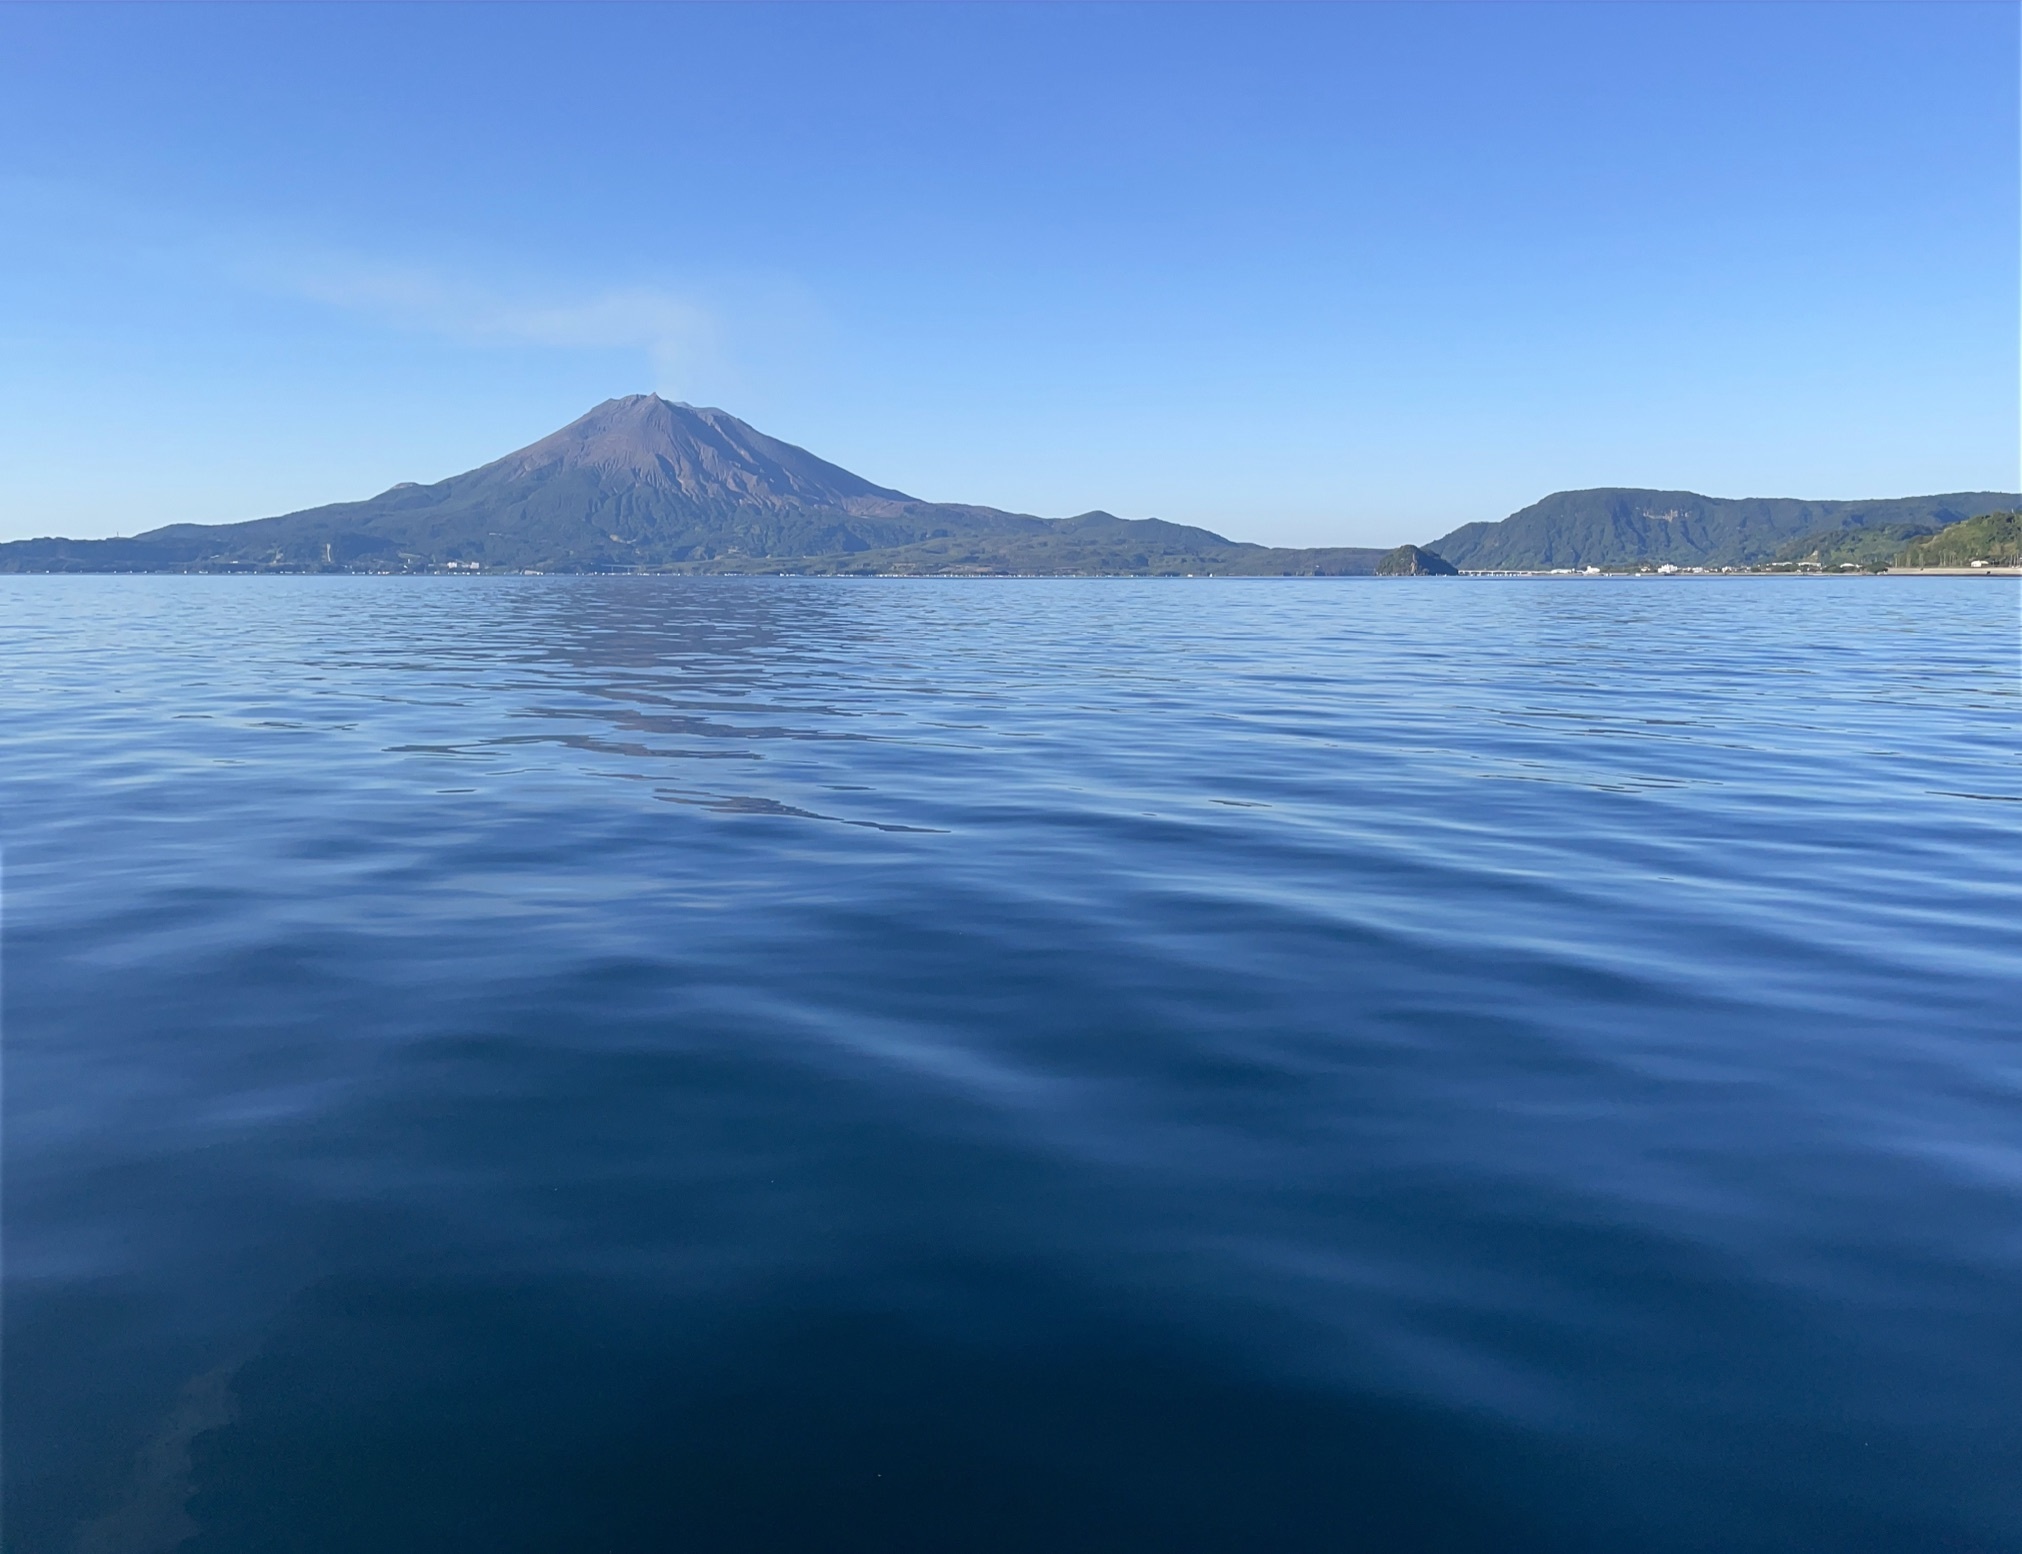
[{"x": 658, "y": 1064}]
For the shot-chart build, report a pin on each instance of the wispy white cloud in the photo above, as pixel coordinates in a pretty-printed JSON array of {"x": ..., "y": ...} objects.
[
  {"x": 727, "y": 337},
  {"x": 676, "y": 331}
]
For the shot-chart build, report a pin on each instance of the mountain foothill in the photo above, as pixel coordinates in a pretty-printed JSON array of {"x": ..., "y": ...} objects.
[{"x": 644, "y": 484}]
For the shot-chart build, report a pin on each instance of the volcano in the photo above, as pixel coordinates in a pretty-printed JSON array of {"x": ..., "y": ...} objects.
[{"x": 645, "y": 484}]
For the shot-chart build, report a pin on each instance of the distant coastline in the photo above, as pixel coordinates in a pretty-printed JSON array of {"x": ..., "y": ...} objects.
[{"x": 644, "y": 485}]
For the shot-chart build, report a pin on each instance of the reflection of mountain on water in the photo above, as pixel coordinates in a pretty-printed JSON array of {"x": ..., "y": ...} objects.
[{"x": 615, "y": 669}]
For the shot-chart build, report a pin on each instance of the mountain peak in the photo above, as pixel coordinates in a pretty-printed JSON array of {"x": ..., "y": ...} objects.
[
  {"x": 641, "y": 482},
  {"x": 698, "y": 451}
]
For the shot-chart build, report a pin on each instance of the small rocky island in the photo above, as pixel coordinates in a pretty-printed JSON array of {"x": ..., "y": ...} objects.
[{"x": 1413, "y": 561}]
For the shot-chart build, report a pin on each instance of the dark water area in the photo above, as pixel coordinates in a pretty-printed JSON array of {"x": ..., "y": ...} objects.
[{"x": 685, "y": 1064}]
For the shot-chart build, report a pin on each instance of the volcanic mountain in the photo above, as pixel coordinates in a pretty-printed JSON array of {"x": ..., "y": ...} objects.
[{"x": 641, "y": 483}]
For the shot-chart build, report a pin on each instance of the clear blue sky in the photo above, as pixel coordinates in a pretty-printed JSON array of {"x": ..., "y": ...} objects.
[{"x": 1302, "y": 274}]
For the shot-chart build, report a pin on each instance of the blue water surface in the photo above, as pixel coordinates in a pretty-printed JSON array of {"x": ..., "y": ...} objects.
[{"x": 714, "y": 1064}]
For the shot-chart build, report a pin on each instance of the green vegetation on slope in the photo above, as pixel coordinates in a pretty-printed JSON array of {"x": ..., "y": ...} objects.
[
  {"x": 1411, "y": 561},
  {"x": 1871, "y": 545},
  {"x": 1995, "y": 538},
  {"x": 1072, "y": 547},
  {"x": 1620, "y": 526},
  {"x": 1094, "y": 544}
]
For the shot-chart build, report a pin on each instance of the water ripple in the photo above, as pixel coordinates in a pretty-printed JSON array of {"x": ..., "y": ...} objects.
[{"x": 1210, "y": 1065}]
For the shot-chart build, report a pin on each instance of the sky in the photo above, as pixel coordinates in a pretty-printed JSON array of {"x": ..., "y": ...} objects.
[{"x": 1303, "y": 274}]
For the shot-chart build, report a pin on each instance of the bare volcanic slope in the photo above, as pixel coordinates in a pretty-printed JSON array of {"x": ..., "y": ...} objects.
[
  {"x": 640, "y": 482},
  {"x": 1616, "y": 526}
]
